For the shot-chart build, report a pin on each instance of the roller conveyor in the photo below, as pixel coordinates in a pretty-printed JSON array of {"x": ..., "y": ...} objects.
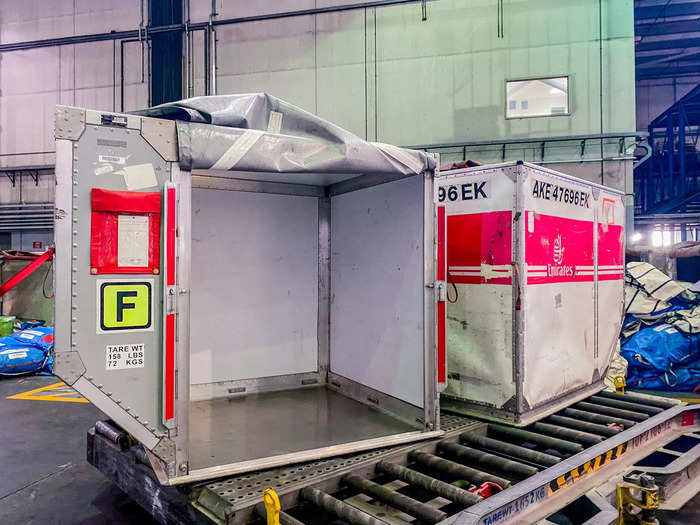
[{"x": 476, "y": 470}]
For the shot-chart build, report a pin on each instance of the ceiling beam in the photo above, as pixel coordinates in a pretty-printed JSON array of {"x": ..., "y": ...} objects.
[
  {"x": 658, "y": 11},
  {"x": 658, "y": 45},
  {"x": 667, "y": 28},
  {"x": 669, "y": 57},
  {"x": 667, "y": 71}
]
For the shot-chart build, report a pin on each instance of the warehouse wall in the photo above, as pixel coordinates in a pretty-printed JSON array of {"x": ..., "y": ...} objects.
[
  {"x": 32, "y": 82},
  {"x": 387, "y": 75},
  {"x": 383, "y": 73}
]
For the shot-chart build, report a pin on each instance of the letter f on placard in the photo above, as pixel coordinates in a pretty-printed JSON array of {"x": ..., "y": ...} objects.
[{"x": 121, "y": 305}]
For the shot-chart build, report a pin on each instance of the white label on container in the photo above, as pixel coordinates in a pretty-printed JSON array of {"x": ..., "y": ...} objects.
[
  {"x": 119, "y": 357},
  {"x": 274, "y": 124},
  {"x": 132, "y": 240},
  {"x": 112, "y": 159},
  {"x": 17, "y": 355},
  {"x": 139, "y": 176}
]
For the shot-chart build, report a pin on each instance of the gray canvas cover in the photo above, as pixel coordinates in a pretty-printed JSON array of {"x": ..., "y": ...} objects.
[{"x": 261, "y": 133}]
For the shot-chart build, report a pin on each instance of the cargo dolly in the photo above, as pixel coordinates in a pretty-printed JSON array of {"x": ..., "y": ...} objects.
[{"x": 478, "y": 473}]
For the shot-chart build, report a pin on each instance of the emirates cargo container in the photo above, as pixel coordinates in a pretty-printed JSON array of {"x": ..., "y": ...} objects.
[
  {"x": 534, "y": 287},
  {"x": 250, "y": 287}
]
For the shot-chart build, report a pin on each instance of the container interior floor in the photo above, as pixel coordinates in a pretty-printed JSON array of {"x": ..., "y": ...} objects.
[{"x": 224, "y": 431}]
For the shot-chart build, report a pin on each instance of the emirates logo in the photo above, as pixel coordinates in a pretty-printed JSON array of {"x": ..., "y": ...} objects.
[{"x": 558, "y": 253}]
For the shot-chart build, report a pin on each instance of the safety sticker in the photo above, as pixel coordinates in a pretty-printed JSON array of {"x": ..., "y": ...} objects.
[
  {"x": 124, "y": 305},
  {"x": 119, "y": 357},
  {"x": 588, "y": 467}
]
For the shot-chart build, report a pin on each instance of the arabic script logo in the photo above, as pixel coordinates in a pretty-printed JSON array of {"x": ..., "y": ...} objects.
[{"x": 558, "y": 255}]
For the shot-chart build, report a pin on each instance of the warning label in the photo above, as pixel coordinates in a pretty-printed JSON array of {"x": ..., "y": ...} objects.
[
  {"x": 119, "y": 357},
  {"x": 125, "y": 306}
]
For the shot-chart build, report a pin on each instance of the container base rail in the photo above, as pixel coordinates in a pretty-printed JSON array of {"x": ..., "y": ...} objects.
[{"x": 569, "y": 464}]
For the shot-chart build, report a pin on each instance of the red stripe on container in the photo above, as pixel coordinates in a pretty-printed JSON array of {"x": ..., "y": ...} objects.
[
  {"x": 476, "y": 239},
  {"x": 169, "y": 366},
  {"x": 170, "y": 238},
  {"x": 441, "y": 273}
]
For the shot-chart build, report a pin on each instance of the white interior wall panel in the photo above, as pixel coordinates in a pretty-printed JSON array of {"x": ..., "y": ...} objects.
[
  {"x": 377, "y": 284},
  {"x": 257, "y": 299}
]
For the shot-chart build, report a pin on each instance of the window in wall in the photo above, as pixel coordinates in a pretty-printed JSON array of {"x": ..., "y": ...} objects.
[{"x": 537, "y": 97}]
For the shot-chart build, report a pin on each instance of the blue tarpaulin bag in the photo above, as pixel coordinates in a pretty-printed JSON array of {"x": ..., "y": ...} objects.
[
  {"x": 16, "y": 358},
  {"x": 682, "y": 379},
  {"x": 659, "y": 347},
  {"x": 40, "y": 336},
  {"x": 28, "y": 351}
]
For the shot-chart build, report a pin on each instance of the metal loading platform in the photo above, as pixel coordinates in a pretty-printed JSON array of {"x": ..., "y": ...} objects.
[{"x": 479, "y": 472}]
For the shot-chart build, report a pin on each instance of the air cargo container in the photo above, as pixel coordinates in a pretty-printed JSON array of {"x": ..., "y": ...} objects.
[
  {"x": 534, "y": 288},
  {"x": 256, "y": 298},
  {"x": 250, "y": 287}
]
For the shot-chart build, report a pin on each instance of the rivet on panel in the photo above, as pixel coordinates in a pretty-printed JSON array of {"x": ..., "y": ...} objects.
[
  {"x": 74, "y": 294},
  {"x": 75, "y": 257},
  {"x": 73, "y": 332},
  {"x": 74, "y": 307},
  {"x": 74, "y": 345},
  {"x": 109, "y": 394},
  {"x": 74, "y": 319}
]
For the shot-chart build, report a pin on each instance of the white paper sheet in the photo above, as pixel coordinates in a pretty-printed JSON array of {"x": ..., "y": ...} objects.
[{"x": 132, "y": 240}]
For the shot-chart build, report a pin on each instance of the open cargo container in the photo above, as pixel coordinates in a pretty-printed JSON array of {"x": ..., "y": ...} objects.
[
  {"x": 238, "y": 299},
  {"x": 534, "y": 287}
]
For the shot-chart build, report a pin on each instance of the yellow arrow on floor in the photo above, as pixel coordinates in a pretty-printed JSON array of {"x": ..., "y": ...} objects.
[{"x": 54, "y": 392}]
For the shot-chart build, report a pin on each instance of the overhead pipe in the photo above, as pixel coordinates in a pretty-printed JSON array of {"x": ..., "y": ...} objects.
[
  {"x": 135, "y": 33},
  {"x": 212, "y": 48}
]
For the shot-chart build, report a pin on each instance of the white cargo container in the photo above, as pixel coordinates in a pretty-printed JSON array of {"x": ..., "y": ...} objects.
[
  {"x": 238, "y": 299},
  {"x": 534, "y": 287}
]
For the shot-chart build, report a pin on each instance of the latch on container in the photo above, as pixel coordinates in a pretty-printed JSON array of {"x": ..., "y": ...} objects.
[{"x": 441, "y": 290}]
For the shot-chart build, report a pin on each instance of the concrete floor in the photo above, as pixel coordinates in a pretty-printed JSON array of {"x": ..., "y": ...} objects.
[
  {"x": 47, "y": 481},
  {"x": 45, "y": 478}
]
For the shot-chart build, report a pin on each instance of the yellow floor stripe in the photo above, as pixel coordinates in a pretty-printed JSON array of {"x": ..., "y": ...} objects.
[{"x": 54, "y": 392}]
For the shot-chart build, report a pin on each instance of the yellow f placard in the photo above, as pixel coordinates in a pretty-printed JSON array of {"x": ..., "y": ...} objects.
[{"x": 125, "y": 305}]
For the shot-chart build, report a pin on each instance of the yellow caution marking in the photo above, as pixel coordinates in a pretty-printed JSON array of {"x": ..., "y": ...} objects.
[
  {"x": 54, "y": 392},
  {"x": 589, "y": 467}
]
